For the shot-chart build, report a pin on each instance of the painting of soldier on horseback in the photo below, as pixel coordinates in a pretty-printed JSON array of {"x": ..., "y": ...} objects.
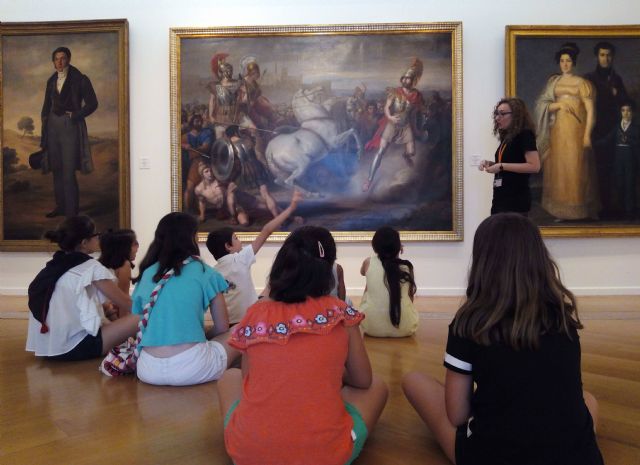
[{"x": 365, "y": 123}]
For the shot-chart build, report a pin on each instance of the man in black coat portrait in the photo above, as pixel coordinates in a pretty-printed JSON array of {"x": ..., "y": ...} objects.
[
  {"x": 610, "y": 93},
  {"x": 69, "y": 99}
]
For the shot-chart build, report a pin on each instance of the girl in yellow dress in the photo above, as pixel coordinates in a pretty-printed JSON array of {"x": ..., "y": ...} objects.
[{"x": 388, "y": 297}]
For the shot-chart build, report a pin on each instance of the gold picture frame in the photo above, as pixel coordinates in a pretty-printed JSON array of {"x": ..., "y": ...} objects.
[
  {"x": 99, "y": 50},
  {"x": 427, "y": 201},
  {"x": 605, "y": 76}
]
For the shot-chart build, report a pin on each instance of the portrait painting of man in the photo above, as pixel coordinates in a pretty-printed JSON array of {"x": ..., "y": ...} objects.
[
  {"x": 69, "y": 98},
  {"x": 361, "y": 122},
  {"x": 63, "y": 125}
]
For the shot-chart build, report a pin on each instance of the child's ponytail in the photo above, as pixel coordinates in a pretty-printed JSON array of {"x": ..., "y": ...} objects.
[{"x": 386, "y": 244}]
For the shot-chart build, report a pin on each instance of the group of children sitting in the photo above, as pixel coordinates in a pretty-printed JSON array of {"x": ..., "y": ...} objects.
[{"x": 305, "y": 392}]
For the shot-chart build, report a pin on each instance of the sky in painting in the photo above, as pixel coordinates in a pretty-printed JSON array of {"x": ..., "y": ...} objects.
[
  {"x": 26, "y": 66},
  {"x": 346, "y": 61}
]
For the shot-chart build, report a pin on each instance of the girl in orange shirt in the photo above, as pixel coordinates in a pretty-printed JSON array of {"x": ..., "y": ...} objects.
[{"x": 306, "y": 394}]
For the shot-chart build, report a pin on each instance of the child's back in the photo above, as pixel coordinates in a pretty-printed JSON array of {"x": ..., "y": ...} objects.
[
  {"x": 388, "y": 295},
  {"x": 297, "y": 366},
  {"x": 306, "y": 393},
  {"x": 234, "y": 261},
  {"x": 235, "y": 267},
  {"x": 528, "y": 407},
  {"x": 513, "y": 389},
  {"x": 173, "y": 292},
  {"x": 375, "y": 305}
]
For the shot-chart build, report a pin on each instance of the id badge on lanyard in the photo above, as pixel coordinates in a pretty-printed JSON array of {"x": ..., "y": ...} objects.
[{"x": 497, "y": 180}]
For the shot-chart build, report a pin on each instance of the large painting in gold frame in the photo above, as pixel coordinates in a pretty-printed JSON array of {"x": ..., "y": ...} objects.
[
  {"x": 350, "y": 70},
  {"x": 99, "y": 50},
  {"x": 588, "y": 185}
]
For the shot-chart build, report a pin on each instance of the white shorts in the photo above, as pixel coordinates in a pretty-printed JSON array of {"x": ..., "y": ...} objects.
[{"x": 201, "y": 363}]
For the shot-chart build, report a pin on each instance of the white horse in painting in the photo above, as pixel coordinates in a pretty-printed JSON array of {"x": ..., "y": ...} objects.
[{"x": 290, "y": 155}]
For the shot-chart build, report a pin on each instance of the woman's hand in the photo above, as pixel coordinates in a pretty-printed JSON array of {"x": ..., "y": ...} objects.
[
  {"x": 484, "y": 164},
  {"x": 494, "y": 168},
  {"x": 586, "y": 142}
]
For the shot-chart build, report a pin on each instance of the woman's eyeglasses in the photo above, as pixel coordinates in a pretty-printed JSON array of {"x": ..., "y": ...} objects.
[{"x": 501, "y": 113}]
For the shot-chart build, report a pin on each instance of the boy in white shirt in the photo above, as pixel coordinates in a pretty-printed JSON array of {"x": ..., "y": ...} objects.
[{"x": 234, "y": 261}]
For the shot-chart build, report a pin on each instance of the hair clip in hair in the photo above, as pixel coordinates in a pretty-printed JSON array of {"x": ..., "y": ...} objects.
[{"x": 320, "y": 250}]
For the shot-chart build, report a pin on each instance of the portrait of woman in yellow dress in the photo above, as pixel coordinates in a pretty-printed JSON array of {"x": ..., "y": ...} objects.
[{"x": 565, "y": 118}]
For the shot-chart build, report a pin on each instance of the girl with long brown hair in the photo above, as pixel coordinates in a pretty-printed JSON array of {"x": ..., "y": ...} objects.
[
  {"x": 176, "y": 348},
  {"x": 515, "y": 337}
]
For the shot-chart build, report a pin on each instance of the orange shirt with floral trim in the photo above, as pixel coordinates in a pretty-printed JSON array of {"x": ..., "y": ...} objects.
[{"x": 291, "y": 410}]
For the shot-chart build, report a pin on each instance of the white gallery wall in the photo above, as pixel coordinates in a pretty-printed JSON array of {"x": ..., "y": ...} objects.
[{"x": 589, "y": 266}]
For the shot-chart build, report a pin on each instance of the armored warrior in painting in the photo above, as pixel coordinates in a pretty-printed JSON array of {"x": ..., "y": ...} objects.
[
  {"x": 400, "y": 110},
  {"x": 223, "y": 103}
]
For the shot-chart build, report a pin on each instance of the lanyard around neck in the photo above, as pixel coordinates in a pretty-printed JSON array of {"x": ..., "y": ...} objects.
[{"x": 501, "y": 150}]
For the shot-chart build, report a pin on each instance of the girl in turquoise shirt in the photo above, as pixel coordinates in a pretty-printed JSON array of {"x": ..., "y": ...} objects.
[{"x": 176, "y": 349}]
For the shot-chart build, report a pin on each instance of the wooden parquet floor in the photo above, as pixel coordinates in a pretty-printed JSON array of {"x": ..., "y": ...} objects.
[{"x": 68, "y": 413}]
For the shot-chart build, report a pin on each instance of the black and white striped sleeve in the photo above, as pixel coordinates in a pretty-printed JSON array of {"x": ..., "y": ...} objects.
[{"x": 459, "y": 354}]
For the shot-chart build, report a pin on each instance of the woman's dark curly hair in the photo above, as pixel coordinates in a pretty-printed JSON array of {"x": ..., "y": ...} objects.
[
  {"x": 568, "y": 48},
  {"x": 520, "y": 119}
]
